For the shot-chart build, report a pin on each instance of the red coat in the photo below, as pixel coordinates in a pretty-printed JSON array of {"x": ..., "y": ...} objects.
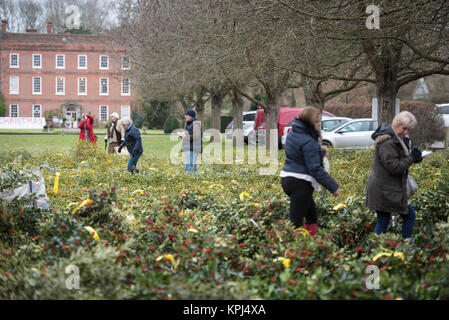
[{"x": 89, "y": 125}]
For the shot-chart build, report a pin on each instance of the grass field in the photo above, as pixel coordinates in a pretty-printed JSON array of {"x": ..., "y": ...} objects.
[
  {"x": 158, "y": 144},
  {"x": 35, "y": 144},
  {"x": 72, "y": 131}
]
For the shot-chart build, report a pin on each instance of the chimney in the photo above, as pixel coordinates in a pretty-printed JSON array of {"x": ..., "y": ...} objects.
[
  {"x": 4, "y": 25},
  {"x": 49, "y": 26}
]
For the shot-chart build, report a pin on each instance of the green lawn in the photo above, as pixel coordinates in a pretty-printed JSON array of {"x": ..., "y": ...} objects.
[
  {"x": 74, "y": 132},
  {"x": 156, "y": 145},
  {"x": 34, "y": 144}
]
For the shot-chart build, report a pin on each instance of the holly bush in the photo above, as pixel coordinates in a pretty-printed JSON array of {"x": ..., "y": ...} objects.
[{"x": 162, "y": 234}]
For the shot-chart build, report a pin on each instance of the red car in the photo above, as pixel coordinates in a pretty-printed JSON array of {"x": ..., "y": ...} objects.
[{"x": 285, "y": 116}]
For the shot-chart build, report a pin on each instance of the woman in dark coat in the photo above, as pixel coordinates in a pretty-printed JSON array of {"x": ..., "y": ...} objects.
[
  {"x": 87, "y": 128},
  {"x": 303, "y": 170},
  {"x": 132, "y": 142},
  {"x": 386, "y": 190}
]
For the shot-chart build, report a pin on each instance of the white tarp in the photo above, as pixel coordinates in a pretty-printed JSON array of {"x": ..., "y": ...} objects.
[
  {"x": 22, "y": 123},
  {"x": 36, "y": 187}
]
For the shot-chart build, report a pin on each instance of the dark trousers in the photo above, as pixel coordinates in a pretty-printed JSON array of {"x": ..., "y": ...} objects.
[
  {"x": 383, "y": 220},
  {"x": 301, "y": 201}
]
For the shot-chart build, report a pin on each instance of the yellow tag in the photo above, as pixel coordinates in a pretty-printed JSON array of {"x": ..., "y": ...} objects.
[{"x": 56, "y": 185}]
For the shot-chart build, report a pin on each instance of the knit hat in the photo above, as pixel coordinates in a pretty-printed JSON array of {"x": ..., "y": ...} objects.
[
  {"x": 115, "y": 114},
  {"x": 191, "y": 113}
]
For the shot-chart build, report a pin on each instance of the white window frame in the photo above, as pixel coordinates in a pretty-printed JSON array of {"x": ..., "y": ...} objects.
[
  {"x": 122, "y": 114},
  {"x": 129, "y": 87},
  {"x": 10, "y": 60},
  {"x": 79, "y": 57},
  {"x": 107, "y": 87},
  {"x": 40, "y": 110},
  {"x": 107, "y": 112},
  {"x": 107, "y": 62},
  {"x": 40, "y": 61},
  {"x": 85, "y": 92},
  {"x": 10, "y": 85},
  {"x": 10, "y": 111},
  {"x": 40, "y": 85},
  {"x": 63, "y": 86},
  {"x": 63, "y": 60},
  {"x": 129, "y": 63}
]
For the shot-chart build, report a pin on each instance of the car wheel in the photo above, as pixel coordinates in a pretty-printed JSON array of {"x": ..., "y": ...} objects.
[{"x": 327, "y": 143}]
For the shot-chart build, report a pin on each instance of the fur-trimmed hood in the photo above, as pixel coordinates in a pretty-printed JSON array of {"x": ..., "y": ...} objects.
[{"x": 383, "y": 133}]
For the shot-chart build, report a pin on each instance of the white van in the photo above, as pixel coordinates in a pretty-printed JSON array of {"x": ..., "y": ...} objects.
[
  {"x": 249, "y": 117},
  {"x": 443, "y": 109}
]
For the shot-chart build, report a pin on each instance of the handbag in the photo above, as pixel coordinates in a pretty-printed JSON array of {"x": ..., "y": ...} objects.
[{"x": 412, "y": 186}]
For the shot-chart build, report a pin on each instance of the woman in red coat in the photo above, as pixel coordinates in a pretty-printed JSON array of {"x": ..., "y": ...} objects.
[{"x": 87, "y": 128}]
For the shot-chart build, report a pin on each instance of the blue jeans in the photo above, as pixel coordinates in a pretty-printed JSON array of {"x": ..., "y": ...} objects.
[
  {"x": 408, "y": 220},
  {"x": 191, "y": 160},
  {"x": 133, "y": 160}
]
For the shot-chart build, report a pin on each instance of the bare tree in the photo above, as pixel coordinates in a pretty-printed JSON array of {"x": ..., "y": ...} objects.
[
  {"x": 9, "y": 12},
  {"x": 31, "y": 12},
  {"x": 95, "y": 15},
  {"x": 411, "y": 42}
]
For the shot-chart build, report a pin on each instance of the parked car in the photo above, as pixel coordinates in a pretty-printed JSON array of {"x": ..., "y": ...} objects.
[
  {"x": 352, "y": 134},
  {"x": 327, "y": 123},
  {"x": 285, "y": 116},
  {"x": 248, "y": 124},
  {"x": 443, "y": 109}
]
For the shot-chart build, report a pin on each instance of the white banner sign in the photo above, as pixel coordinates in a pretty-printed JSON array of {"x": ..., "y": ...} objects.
[{"x": 22, "y": 123}]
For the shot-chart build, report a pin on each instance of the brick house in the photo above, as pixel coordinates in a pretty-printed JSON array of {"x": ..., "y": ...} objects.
[{"x": 70, "y": 73}]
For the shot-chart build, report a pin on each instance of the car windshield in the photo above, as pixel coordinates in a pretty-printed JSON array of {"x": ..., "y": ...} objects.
[
  {"x": 249, "y": 117},
  {"x": 329, "y": 124},
  {"x": 333, "y": 125},
  {"x": 444, "y": 110}
]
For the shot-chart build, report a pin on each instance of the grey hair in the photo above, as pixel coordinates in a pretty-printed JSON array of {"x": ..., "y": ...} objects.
[
  {"x": 127, "y": 122},
  {"x": 404, "y": 118}
]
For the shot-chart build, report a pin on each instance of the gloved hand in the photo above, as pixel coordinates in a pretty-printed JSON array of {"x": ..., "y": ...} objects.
[
  {"x": 416, "y": 155},
  {"x": 105, "y": 139},
  {"x": 119, "y": 149}
]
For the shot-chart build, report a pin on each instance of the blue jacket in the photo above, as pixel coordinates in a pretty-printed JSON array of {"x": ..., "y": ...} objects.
[
  {"x": 133, "y": 142},
  {"x": 303, "y": 154}
]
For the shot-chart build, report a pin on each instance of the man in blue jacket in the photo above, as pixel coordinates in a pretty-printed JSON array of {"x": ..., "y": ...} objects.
[
  {"x": 192, "y": 141},
  {"x": 133, "y": 143}
]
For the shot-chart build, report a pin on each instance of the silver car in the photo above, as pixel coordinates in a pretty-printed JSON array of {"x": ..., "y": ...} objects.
[
  {"x": 327, "y": 123},
  {"x": 350, "y": 135}
]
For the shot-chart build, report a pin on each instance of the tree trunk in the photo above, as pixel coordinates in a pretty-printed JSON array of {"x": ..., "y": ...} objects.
[
  {"x": 216, "y": 109},
  {"x": 313, "y": 94},
  {"x": 237, "y": 104},
  {"x": 271, "y": 118},
  {"x": 386, "y": 97},
  {"x": 318, "y": 100},
  {"x": 200, "y": 106},
  {"x": 307, "y": 88},
  {"x": 216, "y": 104}
]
